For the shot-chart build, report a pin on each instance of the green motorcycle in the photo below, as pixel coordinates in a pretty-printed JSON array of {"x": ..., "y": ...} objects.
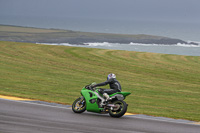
[{"x": 92, "y": 101}]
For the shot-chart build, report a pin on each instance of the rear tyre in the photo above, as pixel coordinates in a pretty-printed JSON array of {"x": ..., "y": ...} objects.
[
  {"x": 79, "y": 105},
  {"x": 120, "y": 110}
]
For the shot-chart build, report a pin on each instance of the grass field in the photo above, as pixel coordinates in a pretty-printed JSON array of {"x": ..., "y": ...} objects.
[{"x": 161, "y": 84}]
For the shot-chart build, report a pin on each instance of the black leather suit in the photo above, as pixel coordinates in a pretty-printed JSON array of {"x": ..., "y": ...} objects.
[{"x": 114, "y": 86}]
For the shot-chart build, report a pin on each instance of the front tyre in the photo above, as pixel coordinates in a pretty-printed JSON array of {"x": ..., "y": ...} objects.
[
  {"x": 119, "y": 110},
  {"x": 79, "y": 105}
]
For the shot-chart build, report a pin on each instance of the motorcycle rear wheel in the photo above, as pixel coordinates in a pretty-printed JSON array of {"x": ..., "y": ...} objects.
[
  {"x": 79, "y": 105},
  {"x": 120, "y": 111}
]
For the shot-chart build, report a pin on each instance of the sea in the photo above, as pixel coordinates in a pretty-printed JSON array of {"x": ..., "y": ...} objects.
[
  {"x": 186, "y": 31},
  {"x": 176, "y": 49}
]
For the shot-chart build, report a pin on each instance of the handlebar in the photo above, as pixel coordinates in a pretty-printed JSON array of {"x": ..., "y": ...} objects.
[{"x": 89, "y": 87}]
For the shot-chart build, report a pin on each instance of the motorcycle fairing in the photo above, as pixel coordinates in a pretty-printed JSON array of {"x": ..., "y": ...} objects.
[
  {"x": 91, "y": 100},
  {"x": 122, "y": 93}
]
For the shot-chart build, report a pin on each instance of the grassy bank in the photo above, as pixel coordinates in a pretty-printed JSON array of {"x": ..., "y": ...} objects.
[{"x": 161, "y": 84}]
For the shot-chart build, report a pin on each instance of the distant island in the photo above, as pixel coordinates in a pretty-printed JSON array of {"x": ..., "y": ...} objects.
[{"x": 39, "y": 35}]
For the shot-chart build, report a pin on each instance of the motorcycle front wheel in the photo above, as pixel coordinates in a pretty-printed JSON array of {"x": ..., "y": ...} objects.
[
  {"x": 79, "y": 105},
  {"x": 119, "y": 110}
]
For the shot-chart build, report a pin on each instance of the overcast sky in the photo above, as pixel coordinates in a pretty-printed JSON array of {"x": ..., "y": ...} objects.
[
  {"x": 170, "y": 18},
  {"x": 159, "y": 10}
]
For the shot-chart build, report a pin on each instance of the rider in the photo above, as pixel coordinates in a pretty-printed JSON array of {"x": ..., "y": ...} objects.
[{"x": 114, "y": 86}]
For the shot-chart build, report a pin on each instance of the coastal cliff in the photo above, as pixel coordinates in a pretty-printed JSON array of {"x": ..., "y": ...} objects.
[{"x": 38, "y": 35}]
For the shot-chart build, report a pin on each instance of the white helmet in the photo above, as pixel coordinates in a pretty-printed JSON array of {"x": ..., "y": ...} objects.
[{"x": 112, "y": 75}]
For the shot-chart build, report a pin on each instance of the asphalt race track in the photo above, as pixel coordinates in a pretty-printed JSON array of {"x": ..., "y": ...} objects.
[{"x": 24, "y": 117}]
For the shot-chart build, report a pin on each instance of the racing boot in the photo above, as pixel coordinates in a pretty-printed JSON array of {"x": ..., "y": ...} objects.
[{"x": 107, "y": 97}]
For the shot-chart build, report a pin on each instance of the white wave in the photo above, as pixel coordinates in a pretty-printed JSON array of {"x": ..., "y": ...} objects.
[
  {"x": 63, "y": 44},
  {"x": 107, "y": 44},
  {"x": 142, "y": 44},
  {"x": 99, "y": 44},
  {"x": 187, "y": 45},
  {"x": 178, "y": 44}
]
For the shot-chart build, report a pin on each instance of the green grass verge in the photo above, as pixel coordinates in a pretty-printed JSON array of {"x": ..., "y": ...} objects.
[{"x": 161, "y": 84}]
